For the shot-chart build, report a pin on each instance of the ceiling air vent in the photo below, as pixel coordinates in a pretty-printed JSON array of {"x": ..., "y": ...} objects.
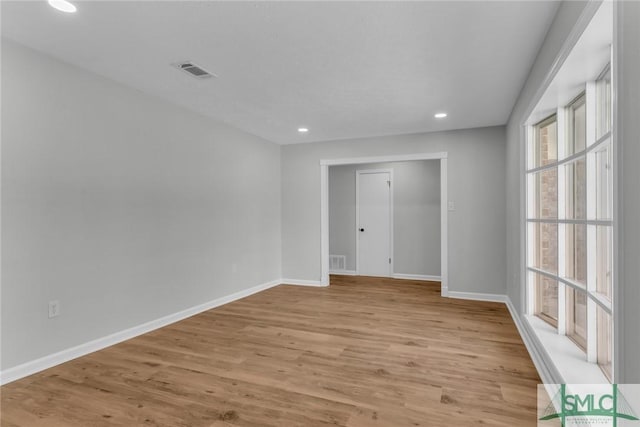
[{"x": 194, "y": 70}]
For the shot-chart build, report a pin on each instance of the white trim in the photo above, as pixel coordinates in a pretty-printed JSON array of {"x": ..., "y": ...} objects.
[
  {"x": 605, "y": 222},
  {"x": 383, "y": 159},
  {"x": 617, "y": 153},
  {"x": 51, "y": 360},
  {"x": 596, "y": 146},
  {"x": 357, "y": 222},
  {"x": 304, "y": 282},
  {"x": 562, "y": 354},
  {"x": 444, "y": 228},
  {"x": 324, "y": 225},
  {"x": 526, "y": 202},
  {"x": 541, "y": 360},
  {"x": 343, "y": 272},
  {"x": 360, "y": 172},
  {"x": 424, "y": 277},
  {"x": 324, "y": 207},
  {"x": 476, "y": 296}
]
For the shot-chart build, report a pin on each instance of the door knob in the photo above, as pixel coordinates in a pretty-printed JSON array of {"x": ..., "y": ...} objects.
[{"x": 362, "y": 229}]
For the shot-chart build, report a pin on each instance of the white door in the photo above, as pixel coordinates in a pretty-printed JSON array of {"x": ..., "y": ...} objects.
[{"x": 373, "y": 206}]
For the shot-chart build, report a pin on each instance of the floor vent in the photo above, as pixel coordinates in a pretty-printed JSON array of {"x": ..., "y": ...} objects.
[{"x": 337, "y": 262}]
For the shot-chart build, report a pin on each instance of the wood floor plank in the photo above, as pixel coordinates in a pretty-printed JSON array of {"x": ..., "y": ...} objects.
[{"x": 362, "y": 352}]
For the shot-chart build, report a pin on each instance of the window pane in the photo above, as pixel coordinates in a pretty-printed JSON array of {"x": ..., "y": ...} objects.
[
  {"x": 604, "y": 183},
  {"x": 546, "y": 298},
  {"x": 603, "y": 104},
  {"x": 576, "y": 189},
  {"x": 545, "y": 191},
  {"x": 577, "y": 317},
  {"x": 577, "y": 135},
  {"x": 543, "y": 244},
  {"x": 604, "y": 261},
  {"x": 605, "y": 344},
  {"x": 576, "y": 252},
  {"x": 545, "y": 143}
]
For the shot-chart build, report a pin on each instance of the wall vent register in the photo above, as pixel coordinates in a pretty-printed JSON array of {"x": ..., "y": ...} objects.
[{"x": 194, "y": 70}]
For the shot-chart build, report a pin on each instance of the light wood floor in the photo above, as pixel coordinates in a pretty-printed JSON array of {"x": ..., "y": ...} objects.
[{"x": 362, "y": 352}]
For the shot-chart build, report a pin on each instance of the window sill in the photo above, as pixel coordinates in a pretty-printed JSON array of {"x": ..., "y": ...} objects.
[{"x": 565, "y": 356}]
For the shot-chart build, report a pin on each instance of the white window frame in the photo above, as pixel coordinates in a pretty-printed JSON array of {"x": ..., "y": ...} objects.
[{"x": 591, "y": 222}]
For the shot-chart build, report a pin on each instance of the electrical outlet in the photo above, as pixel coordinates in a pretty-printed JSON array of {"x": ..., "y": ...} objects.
[
  {"x": 451, "y": 206},
  {"x": 54, "y": 309}
]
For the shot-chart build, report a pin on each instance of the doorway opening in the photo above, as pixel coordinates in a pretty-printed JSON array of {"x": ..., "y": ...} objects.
[{"x": 373, "y": 228}]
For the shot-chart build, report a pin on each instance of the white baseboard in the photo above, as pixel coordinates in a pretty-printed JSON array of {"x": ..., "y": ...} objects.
[
  {"x": 303, "y": 282},
  {"x": 343, "y": 272},
  {"x": 424, "y": 277},
  {"x": 478, "y": 296},
  {"x": 31, "y": 367},
  {"x": 541, "y": 360}
]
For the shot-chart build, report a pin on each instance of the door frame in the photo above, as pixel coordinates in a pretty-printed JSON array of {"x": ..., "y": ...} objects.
[
  {"x": 373, "y": 171},
  {"x": 324, "y": 208}
]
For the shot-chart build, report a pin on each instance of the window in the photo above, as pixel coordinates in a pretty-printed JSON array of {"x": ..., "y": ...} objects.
[
  {"x": 546, "y": 299},
  {"x": 577, "y": 317},
  {"x": 604, "y": 182},
  {"x": 603, "y": 262},
  {"x": 576, "y": 189},
  {"x": 545, "y": 255},
  {"x": 545, "y": 186},
  {"x": 575, "y": 264},
  {"x": 605, "y": 345},
  {"x": 569, "y": 221},
  {"x": 543, "y": 219},
  {"x": 577, "y": 126},
  {"x": 545, "y": 143}
]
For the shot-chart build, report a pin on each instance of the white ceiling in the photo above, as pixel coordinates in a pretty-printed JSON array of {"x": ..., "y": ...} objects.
[{"x": 342, "y": 69}]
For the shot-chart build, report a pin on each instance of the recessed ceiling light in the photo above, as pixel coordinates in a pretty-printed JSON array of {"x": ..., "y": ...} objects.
[
  {"x": 303, "y": 130},
  {"x": 62, "y": 5},
  {"x": 440, "y": 115}
]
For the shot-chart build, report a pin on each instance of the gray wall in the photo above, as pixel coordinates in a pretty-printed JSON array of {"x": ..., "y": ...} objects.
[
  {"x": 628, "y": 140},
  {"x": 628, "y": 126},
  {"x": 121, "y": 206},
  {"x": 475, "y": 183},
  {"x": 416, "y": 214}
]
